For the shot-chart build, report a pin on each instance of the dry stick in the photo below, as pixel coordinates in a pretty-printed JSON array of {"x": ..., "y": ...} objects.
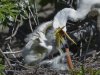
[
  {"x": 89, "y": 42},
  {"x": 12, "y": 54},
  {"x": 69, "y": 60},
  {"x": 36, "y": 12},
  {"x": 81, "y": 45},
  {"x": 15, "y": 31},
  {"x": 15, "y": 52},
  {"x": 11, "y": 50},
  {"x": 32, "y": 15},
  {"x": 6, "y": 58},
  {"x": 30, "y": 23}
]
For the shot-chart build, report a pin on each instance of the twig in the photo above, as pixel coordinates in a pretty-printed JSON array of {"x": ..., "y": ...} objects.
[
  {"x": 32, "y": 15},
  {"x": 81, "y": 45},
  {"x": 6, "y": 58},
  {"x": 15, "y": 32},
  {"x": 90, "y": 38},
  {"x": 19, "y": 64},
  {"x": 30, "y": 23},
  {"x": 11, "y": 50},
  {"x": 36, "y": 12},
  {"x": 15, "y": 52}
]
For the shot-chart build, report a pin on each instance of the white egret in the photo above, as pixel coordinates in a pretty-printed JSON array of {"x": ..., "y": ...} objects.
[
  {"x": 83, "y": 8},
  {"x": 41, "y": 42}
]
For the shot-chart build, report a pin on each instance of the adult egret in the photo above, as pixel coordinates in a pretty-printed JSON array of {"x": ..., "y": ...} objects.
[
  {"x": 40, "y": 44},
  {"x": 83, "y": 8}
]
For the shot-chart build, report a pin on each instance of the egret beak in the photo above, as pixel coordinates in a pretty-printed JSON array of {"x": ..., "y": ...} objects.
[{"x": 58, "y": 30}]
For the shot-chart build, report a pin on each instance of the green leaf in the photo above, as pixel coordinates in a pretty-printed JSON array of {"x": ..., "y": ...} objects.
[
  {"x": 2, "y": 17},
  {"x": 97, "y": 72},
  {"x": 2, "y": 67}
]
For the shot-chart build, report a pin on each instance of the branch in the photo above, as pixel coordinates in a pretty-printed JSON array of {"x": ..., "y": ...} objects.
[
  {"x": 15, "y": 52},
  {"x": 13, "y": 34},
  {"x": 30, "y": 23},
  {"x": 6, "y": 58}
]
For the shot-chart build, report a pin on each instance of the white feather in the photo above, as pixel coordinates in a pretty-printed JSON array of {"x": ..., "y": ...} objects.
[
  {"x": 36, "y": 43},
  {"x": 59, "y": 62},
  {"x": 84, "y": 7}
]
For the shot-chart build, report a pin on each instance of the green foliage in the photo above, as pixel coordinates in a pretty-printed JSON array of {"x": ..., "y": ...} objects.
[
  {"x": 2, "y": 67},
  {"x": 85, "y": 71},
  {"x": 8, "y": 10}
]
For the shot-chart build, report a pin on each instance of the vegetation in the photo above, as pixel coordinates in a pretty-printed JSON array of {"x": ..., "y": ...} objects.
[
  {"x": 83, "y": 71},
  {"x": 16, "y": 14}
]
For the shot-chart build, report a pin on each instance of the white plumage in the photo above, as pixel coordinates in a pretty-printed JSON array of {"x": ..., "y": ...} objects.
[
  {"x": 83, "y": 8},
  {"x": 37, "y": 48},
  {"x": 41, "y": 42}
]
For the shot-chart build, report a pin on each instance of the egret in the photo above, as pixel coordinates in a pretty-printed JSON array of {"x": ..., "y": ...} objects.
[
  {"x": 38, "y": 45},
  {"x": 83, "y": 8},
  {"x": 41, "y": 42}
]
